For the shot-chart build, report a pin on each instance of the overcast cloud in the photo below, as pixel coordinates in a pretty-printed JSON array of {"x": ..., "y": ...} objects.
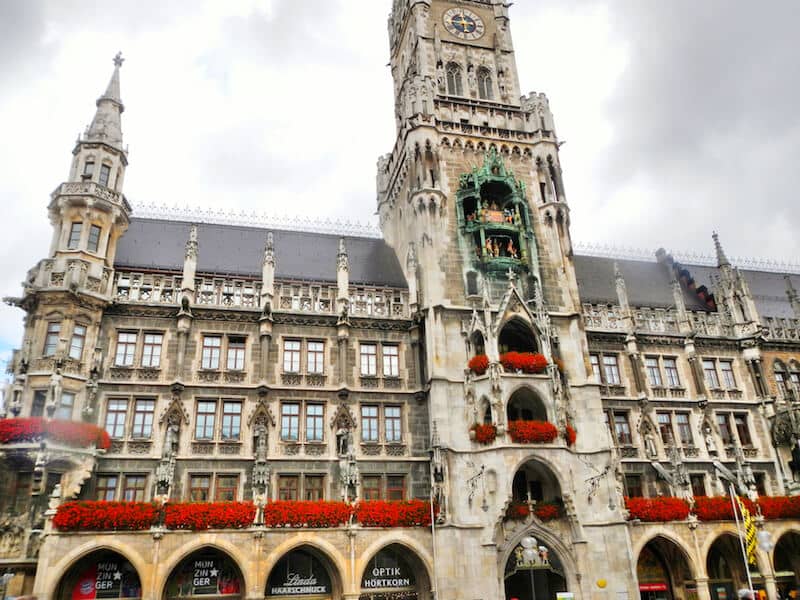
[{"x": 679, "y": 117}]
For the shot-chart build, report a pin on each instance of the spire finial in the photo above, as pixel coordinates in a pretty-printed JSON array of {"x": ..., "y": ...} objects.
[
  {"x": 118, "y": 60},
  {"x": 341, "y": 258},
  {"x": 722, "y": 260}
]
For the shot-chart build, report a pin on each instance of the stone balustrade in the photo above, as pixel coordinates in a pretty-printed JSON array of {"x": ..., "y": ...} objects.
[{"x": 653, "y": 320}]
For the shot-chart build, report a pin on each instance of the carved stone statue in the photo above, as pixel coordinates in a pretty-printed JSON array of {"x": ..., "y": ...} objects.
[
  {"x": 55, "y": 390},
  {"x": 440, "y": 78},
  {"x": 472, "y": 80},
  {"x": 344, "y": 441},
  {"x": 261, "y": 435},
  {"x": 711, "y": 445},
  {"x": 170, "y": 441},
  {"x": 650, "y": 447}
]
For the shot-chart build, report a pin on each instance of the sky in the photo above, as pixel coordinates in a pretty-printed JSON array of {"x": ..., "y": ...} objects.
[{"x": 679, "y": 118}]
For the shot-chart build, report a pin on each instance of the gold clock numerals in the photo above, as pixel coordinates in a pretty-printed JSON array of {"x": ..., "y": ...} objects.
[{"x": 463, "y": 24}]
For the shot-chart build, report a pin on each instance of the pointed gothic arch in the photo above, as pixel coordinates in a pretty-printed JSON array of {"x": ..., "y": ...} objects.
[
  {"x": 526, "y": 405},
  {"x": 664, "y": 569},
  {"x": 485, "y": 91},
  {"x": 517, "y": 335},
  {"x": 455, "y": 79},
  {"x": 103, "y": 570},
  {"x": 205, "y": 571}
]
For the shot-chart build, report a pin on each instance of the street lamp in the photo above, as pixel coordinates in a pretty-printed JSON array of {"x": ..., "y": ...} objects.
[{"x": 528, "y": 544}]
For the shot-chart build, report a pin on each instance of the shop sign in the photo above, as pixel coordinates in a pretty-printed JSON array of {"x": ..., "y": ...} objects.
[
  {"x": 205, "y": 574},
  {"x": 652, "y": 587},
  {"x": 299, "y": 585},
  {"x": 386, "y": 577},
  {"x": 565, "y": 596},
  {"x": 107, "y": 579}
]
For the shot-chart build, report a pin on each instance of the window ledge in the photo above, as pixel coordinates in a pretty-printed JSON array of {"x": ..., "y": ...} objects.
[{"x": 208, "y": 375}]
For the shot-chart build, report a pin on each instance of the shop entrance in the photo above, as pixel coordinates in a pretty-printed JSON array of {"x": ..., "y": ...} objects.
[
  {"x": 664, "y": 572},
  {"x": 209, "y": 574},
  {"x": 395, "y": 573},
  {"x": 102, "y": 574},
  {"x": 304, "y": 573},
  {"x": 533, "y": 572}
]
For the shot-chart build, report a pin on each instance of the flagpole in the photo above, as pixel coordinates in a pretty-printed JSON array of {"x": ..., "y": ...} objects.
[{"x": 741, "y": 543}]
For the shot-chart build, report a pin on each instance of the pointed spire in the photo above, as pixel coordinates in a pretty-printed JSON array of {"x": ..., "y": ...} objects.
[
  {"x": 106, "y": 127},
  {"x": 791, "y": 293},
  {"x": 341, "y": 258},
  {"x": 269, "y": 251},
  {"x": 722, "y": 260}
]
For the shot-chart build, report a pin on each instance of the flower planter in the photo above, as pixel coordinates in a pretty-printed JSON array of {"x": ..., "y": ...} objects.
[
  {"x": 69, "y": 433},
  {"x": 523, "y": 362},
  {"x": 483, "y": 434},
  {"x": 478, "y": 364},
  {"x": 530, "y": 432}
]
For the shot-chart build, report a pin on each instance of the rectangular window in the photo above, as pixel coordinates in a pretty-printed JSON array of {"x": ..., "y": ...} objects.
[
  {"x": 133, "y": 488},
  {"x": 236, "y": 348},
  {"x": 725, "y": 429},
  {"x": 77, "y": 341},
  {"x": 287, "y": 487},
  {"x": 391, "y": 361},
  {"x": 206, "y": 415},
  {"x": 115, "y": 418},
  {"x": 315, "y": 358},
  {"x": 290, "y": 422},
  {"x": 594, "y": 359},
  {"x": 64, "y": 411},
  {"x": 369, "y": 423},
  {"x": 698, "y": 481},
  {"x": 633, "y": 486},
  {"x": 728, "y": 380},
  {"x": 653, "y": 371},
  {"x": 314, "y": 422},
  {"x": 88, "y": 168},
  {"x": 231, "y": 419},
  {"x": 226, "y": 488},
  {"x": 742, "y": 430},
  {"x": 105, "y": 174},
  {"x": 74, "y": 236},
  {"x": 391, "y": 418},
  {"x": 396, "y": 487},
  {"x": 312, "y": 488},
  {"x": 671, "y": 371},
  {"x": 371, "y": 487},
  {"x": 106, "y": 487},
  {"x": 94, "y": 238},
  {"x": 291, "y": 356},
  {"x": 211, "y": 350},
  {"x": 684, "y": 429},
  {"x": 622, "y": 428},
  {"x": 22, "y": 492},
  {"x": 611, "y": 369},
  {"x": 39, "y": 402},
  {"x": 781, "y": 382},
  {"x": 369, "y": 357},
  {"x": 710, "y": 370},
  {"x": 665, "y": 428},
  {"x": 126, "y": 347},
  {"x": 761, "y": 483},
  {"x": 143, "y": 410},
  {"x": 51, "y": 338},
  {"x": 199, "y": 488},
  {"x": 151, "y": 351}
]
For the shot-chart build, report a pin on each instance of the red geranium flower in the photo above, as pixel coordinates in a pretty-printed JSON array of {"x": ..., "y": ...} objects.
[
  {"x": 104, "y": 516},
  {"x": 659, "y": 509},
  {"x": 70, "y": 433},
  {"x": 484, "y": 433},
  {"x": 570, "y": 435},
  {"x": 527, "y": 362},
  {"x": 478, "y": 364},
  {"x": 527, "y": 432}
]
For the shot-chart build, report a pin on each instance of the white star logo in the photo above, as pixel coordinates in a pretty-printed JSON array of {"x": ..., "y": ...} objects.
[
  {"x": 214, "y": 572},
  {"x": 117, "y": 575}
]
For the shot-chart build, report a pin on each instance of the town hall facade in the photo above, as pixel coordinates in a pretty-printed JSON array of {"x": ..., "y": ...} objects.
[{"x": 462, "y": 408}]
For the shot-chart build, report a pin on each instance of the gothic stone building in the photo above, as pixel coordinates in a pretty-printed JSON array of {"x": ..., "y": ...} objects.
[{"x": 231, "y": 363}]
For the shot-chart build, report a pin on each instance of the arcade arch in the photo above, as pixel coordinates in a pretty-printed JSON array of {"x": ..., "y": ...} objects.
[
  {"x": 525, "y": 405},
  {"x": 534, "y": 570},
  {"x": 664, "y": 571},
  {"x": 304, "y": 572},
  {"x": 207, "y": 571},
  {"x": 395, "y": 572},
  {"x": 100, "y": 574},
  {"x": 517, "y": 336},
  {"x": 786, "y": 561}
]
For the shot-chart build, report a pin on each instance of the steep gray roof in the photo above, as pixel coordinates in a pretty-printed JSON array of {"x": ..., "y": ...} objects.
[{"x": 236, "y": 250}]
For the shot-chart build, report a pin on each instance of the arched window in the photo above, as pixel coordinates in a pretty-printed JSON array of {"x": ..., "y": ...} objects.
[
  {"x": 484, "y": 84},
  {"x": 455, "y": 84}
]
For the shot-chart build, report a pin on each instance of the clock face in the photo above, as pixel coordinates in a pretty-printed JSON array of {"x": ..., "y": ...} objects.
[{"x": 464, "y": 24}]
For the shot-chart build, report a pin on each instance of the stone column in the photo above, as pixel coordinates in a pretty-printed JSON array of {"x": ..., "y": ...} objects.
[
  {"x": 703, "y": 591},
  {"x": 190, "y": 265}
]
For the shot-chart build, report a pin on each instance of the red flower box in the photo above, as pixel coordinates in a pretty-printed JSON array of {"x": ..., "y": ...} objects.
[
  {"x": 105, "y": 516},
  {"x": 544, "y": 511},
  {"x": 527, "y": 362},
  {"x": 718, "y": 508},
  {"x": 478, "y": 364},
  {"x": 288, "y": 513},
  {"x": 660, "y": 509},
  {"x": 209, "y": 515},
  {"x": 70, "y": 433},
  {"x": 780, "y": 507},
  {"x": 570, "y": 435},
  {"x": 484, "y": 433},
  {"x": 379, "y": 513},
  {"x": 528, "y": 432}
]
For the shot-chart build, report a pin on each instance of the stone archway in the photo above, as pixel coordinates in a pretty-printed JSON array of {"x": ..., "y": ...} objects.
[
  {"x": 664, "y": 572},
  {"x": 786, "y": 560},
  {"x": 304, "y": 572},
  {"x": 535, "y": 482},
  {"x": 395, "y": 573},
  {"x": 100, "y": 574},
  {"x": 725, "y": 568},
  {"x": 525, "y": 405},
  {"x": 534, "y": 571},
  {"x": 517, "y": 336},
  {"x": 206, "y": 572}
]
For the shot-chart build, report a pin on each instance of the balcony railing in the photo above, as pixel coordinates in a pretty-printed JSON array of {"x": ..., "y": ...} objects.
[{"x": 653, "y": 320}]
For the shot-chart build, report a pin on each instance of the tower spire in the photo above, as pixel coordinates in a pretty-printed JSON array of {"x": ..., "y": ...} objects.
[
  {"x": 722, "y": 260},
  {"x": 106, "y": 126}
]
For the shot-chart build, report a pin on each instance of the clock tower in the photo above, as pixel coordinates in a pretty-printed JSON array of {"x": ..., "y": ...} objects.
[{"x": 472, "y": 200}]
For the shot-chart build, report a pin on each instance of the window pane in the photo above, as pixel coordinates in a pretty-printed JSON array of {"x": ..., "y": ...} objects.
[
  {"x": 665, "y": 427},
  {"x": 725, "y": 429},
  {"x": 105, "y": 173},
  {"x": 199, "y": 488},
  {"x": 291, "y": 356},
  {"x": 143, "y": 418},
  {"x": 106, "y": 487},
  {"x": 126, "y": 347},
  {"x": 76, "y": 343},
  {"x": 698, "y": 482},
  {"x": 313, "y": 488},
  {"x": 653, "y": 372},
  {"x": 290, "y": 422},
  {"x": 369, "y": 357},
  {"x": 726, "y": 367},
  {"x": 371, "y": 487},
  {"x": 151, "y": 353},
  {"x": 206, "y": 413},
  {"x": 287, "y": 487},
  {"x": 226, "y": 488},
  {"x": 115, "y": 418},
  {"x": 314, "y": 422},
  {"x": 133, "y": 488},
  {"x": 740, "y": 420},
  {"x": 710, "y": 370},
  {"x": 74, "y": 236},
  {"x": 391, "y": 361},
  {"x": 611, "y": 370},
  {"x": 236, "y": 350},
  {"x": 231, "y": 420},
  {"x": 369, "y": 423},
  {"x": 622, "y": 428},
  {"x": 39, "y": 401},
  {"x": 211, "y": 349},
  {"x": 64, "y": 411},
  {"x": 671, "y": 371},
  {"x": 94, "y": 238},
  {"x": 51, "y": 338},
  {"x": 595, "y": 361},
  {"x": 316, "y": 357},
  {"x": 393, "y": 424},
  {"x": 633, "y": 485},
  {"x": 88, "y": 168},
  {"x": 395, "y": 487},
  {"x": 684, "y": 429}
]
